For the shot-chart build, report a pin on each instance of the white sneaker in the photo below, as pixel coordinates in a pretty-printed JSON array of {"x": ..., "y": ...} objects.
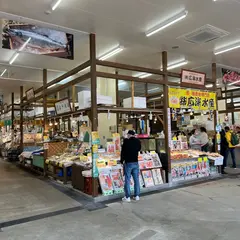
[
  {"x": 137, "y": 198},
  {"x": 125, "y": 199}
]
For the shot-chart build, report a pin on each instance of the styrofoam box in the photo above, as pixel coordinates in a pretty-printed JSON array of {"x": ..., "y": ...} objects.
[
  {"x": 84, "y": 99},
  {"x": 139, "y": 102}
]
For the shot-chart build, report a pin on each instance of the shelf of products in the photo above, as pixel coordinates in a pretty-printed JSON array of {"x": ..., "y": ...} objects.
[{"x": 111, "y": 178}]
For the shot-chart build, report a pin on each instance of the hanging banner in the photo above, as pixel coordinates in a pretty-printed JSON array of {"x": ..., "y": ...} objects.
[
  {"x": 193, "y": 78},
  {"x": 230, "y": 76},
  {"x": 190, "y": 98}
]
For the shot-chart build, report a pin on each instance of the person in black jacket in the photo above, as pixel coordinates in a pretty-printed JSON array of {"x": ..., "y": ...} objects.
[
  {"x": 224, "y": 150},
  {"x": 129, "y": 157}
]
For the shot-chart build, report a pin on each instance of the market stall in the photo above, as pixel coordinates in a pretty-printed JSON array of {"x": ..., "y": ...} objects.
[{"x": 100, "y": 151}]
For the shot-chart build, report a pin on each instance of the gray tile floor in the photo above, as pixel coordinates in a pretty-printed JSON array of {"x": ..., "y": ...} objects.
[{"x": 209, "y": 211}]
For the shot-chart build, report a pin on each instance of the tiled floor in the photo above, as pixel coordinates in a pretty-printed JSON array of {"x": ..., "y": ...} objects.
[{"x": 208, "y": 211}]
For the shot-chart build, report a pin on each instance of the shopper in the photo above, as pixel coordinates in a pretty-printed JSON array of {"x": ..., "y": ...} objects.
[
  {"x": 204, "y": 139},
  {"x": 231, "y": 148},
  {"x": 129, "y": 159},
  {"x": 194, "y": 141},
  {"x": 224, "y": 150}
]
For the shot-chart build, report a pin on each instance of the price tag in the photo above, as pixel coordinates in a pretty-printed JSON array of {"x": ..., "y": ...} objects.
[
  {"x": 205, "y": 159},
  {"x": 200, "y": 159}
]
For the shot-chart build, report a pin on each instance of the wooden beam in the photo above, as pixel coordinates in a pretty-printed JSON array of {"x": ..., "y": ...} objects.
[
  {"x": 128, "y": 78},
  {"x": 64, "y": 76},
  {"x": 160, "y": 119},
  {"x": 128, "y": 67},
  {"x": 117, "y": 100},
  {"x": 165, "y": 110},
  {"x": 132, "y": 94},
  {"x": 73, "y": 97},
  {"x": 59, "y": 88}
]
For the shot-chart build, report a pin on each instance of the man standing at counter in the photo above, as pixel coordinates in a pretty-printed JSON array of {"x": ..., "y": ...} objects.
[
  {"x": 129, "y": 157},
  {"x": 231, "y": 149}
]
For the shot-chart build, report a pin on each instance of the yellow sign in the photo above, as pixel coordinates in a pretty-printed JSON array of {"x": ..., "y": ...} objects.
[{"x": 190, "y": 98}]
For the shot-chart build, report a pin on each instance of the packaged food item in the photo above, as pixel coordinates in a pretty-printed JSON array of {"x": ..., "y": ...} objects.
[{"x": 157, "y": 176}]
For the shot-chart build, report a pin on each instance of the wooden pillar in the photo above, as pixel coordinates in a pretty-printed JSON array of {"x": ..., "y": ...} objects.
[
  {"x": 117, "y": 100},
  {"x": 166, "y": 113},
  {"x": 73, "y": 97},
  {"x": 45, "y": 123},
  {"x": 12, "y": 112},
  {"x": 21, "y": 118},
  {"x": 215, "y": 120},
  {"x": 94, "y": 112},
  {"x": 233, "y": 117},
  {"x": 44, "y": 99},
  {"x": 132, "y": 89}
]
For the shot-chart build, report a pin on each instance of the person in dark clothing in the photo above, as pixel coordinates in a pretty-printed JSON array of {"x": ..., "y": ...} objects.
[
  {"x": 129, "y": 157},
  {"x": 224, "y": 149}
]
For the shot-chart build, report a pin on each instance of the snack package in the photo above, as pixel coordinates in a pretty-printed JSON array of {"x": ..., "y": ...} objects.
[
  {"x": 157, "y": 176},
  {"x": 147, "y": 177},
  {"x": 105, "y": 181},
  {"x": 117, "y": 179}
]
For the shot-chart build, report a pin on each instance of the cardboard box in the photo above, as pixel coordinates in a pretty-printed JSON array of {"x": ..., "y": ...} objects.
[{"x": 139, "y": 102}]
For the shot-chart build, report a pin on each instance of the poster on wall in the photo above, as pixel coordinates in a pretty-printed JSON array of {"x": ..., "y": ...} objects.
[
  {"x": 230, "y": 76},
  {"x": 193, "y": 78},
  {"x": 34, "y": 39},
  {"x": 190, "y": 98}
]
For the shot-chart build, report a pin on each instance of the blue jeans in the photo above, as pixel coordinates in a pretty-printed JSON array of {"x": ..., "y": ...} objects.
[
  {"x": 232, "y": 152},
  {"x": 131, "y": 169}
]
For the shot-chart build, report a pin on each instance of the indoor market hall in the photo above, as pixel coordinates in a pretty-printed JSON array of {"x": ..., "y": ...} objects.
[{"x": 119, "y": 120}]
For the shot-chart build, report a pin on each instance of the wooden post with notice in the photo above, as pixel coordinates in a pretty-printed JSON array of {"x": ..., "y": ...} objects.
[{"x": 94, "y": 112}]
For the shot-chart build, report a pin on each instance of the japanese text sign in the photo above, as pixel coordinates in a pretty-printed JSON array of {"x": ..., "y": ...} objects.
[
  {"x": 192, "y": 77},
  {"x": 190, "y": 98},
  {"x": 63, "y": 106}
]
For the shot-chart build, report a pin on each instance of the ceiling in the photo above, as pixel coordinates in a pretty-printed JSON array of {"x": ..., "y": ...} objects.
[{"x": 122, "y": 22}]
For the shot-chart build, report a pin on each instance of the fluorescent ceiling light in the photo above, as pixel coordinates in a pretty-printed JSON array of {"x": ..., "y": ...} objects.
[
  {"x": 143, "y": 75},
  {"x": 209, "y": 85},
  {"x": 167, "y": 23},
  {"x": 52, "y": 86},
  {"x": 220, "y": 51},
  {"x": 3, "y": 72},
  {"x": 111, "y": 53},
  {"x": 154, "y": 89},
  {"x": 85, "y": 69},
  {"x": 236, "y": 104},
  {"x": 176, "y": 65},
  {"x": 25, "y": 44},
  {"x": 14, "y": 57},
  {"x": 56, "y": 4}
]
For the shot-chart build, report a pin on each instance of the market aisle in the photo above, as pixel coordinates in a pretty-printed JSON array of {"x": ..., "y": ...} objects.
[
  {"x": 23, "y": 195},
  {"x": 209, "y": 211}
]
